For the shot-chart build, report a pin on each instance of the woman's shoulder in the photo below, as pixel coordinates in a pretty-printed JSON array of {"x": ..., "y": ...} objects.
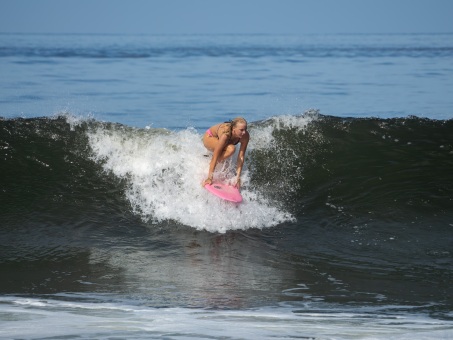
[{"x": 223, "y": 128}]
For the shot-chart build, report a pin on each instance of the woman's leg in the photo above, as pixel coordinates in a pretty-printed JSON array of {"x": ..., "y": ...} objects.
[
  {"x": 209, "y": 141},
  {"x": 227, "y": 152},
  {"x": 210, "y": 144}
]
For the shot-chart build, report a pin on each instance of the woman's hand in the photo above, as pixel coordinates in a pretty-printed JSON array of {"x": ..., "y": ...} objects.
[
  {"x": 238, "y": 182},
  {"x": 207, "y": 181}
]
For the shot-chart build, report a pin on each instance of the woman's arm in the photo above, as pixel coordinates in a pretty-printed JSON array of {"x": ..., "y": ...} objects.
[{"x": 241, "y": 155}]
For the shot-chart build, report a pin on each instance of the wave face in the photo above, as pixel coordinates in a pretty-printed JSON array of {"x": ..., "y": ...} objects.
[
  {"x": 297, "y": 167},
  {"x": 394, "y": 168}
]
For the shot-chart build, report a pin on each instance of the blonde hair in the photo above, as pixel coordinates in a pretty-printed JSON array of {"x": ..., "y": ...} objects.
[
  {"x": 237, "y": 120},
  {"x": 233, "y": 123}
]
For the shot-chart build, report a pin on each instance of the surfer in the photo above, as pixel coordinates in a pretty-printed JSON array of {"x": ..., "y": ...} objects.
[{"x": 221, "y": 139}]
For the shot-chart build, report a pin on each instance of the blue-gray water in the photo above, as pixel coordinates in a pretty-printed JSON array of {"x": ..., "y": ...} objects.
[{"x": 346, "y": 227}]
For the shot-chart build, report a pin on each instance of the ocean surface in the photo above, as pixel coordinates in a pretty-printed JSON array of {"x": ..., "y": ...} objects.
[{"x": 346, "y": 229}]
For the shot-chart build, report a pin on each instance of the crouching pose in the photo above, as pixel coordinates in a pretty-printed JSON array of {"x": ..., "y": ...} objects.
[{"x": 221, "y": 139}]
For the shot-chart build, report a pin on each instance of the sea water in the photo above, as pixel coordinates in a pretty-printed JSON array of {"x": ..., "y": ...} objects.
[{"x": 345, "y": 228}]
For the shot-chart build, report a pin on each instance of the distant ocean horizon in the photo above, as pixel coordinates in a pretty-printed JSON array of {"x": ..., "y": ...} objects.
[{"x": 345, "y": 228}]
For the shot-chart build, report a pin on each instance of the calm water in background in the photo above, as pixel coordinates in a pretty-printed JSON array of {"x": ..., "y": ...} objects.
[
  {"x": 346, "y": 226},
  {"x": 180, "y": 81}
]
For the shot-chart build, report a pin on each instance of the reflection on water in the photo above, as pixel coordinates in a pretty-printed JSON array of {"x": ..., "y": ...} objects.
[{"x": 200, "y": 269}]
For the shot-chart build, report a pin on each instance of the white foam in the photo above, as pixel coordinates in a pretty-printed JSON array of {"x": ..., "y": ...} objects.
[
  {"x": 29, "y": 318},
  {"x": 164, "y": 171},
  {"x": 263, "y": 135}
]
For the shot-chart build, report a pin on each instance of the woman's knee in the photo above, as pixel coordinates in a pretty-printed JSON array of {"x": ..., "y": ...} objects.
[{"x": 229, "y": 150}]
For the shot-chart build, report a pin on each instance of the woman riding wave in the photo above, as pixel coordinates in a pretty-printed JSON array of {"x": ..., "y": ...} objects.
[{"x": 221, "y": 139}]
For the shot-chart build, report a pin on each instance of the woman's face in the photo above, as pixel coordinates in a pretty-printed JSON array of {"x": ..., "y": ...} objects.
[{"x": 239, "y": 130}]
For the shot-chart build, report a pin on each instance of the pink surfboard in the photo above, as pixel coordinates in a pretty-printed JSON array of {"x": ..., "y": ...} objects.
[{"x": 225, "y": 191}]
